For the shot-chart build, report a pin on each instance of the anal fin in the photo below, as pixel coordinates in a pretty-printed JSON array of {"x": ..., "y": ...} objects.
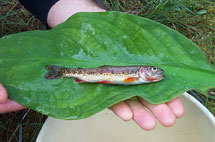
[
  {"x": 104, "y": 82},
  {"x": 80, "y": 81}
]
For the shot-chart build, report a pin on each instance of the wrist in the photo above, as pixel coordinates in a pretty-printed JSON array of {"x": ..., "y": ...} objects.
[{"x": 63, "y": 9}]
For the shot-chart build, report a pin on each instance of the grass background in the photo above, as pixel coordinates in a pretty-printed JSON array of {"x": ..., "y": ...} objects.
[{"x": 193, "y": 18}]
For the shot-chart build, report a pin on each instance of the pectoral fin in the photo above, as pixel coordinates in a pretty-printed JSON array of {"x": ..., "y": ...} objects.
[{"x": 130, "y": 79}]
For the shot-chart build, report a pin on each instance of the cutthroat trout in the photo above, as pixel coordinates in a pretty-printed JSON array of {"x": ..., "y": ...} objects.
[{"x": 125, "y": 75}]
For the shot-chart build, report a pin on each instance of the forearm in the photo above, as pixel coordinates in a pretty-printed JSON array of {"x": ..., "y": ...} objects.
[
  {"x": 53, "y": 12},
  {"x": 63, "y": 9}
]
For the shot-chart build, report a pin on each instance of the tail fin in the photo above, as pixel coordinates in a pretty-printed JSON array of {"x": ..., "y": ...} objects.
[{"x": 54, "y": 72}]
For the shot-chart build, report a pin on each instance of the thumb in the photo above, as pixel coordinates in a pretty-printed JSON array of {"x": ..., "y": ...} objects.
[{"x": 3, "y": 94}]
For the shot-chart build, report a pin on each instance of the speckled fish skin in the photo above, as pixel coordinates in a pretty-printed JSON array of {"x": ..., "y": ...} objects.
[{"x": 126, "y": 75}]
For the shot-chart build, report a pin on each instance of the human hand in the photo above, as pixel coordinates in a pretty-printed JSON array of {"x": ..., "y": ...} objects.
[
  {"x": 7, "y": 105},
  {"x": 165, "y": 113}
]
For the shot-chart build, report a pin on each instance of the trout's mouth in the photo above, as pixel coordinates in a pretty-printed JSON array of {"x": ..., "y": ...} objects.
[
  {"x": 157, "y": 77},
  {"x": 160, "y": 75}
]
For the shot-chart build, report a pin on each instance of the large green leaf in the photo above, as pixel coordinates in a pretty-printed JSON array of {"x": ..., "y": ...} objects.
[{"x": 91, "y": 40}]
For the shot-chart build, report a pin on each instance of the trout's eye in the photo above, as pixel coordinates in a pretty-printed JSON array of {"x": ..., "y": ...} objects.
[{"x": 154, "y": 69}]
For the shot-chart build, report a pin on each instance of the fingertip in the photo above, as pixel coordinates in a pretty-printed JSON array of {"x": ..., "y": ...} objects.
[
  {"x": 180, "y": 113},
  {"x": 125, "y": 115},
  {"x": 164, "y": 115},
  {"x": 177, "y": 107},
  {"x": 150, "y": 125},
  {"x": 162, "y": 112},
  {"x": 168, "y": 122},
  {"x": 141, "y": 116},
  {"x": 3, "y": 94},
  {"x": 122, "y": 110}
]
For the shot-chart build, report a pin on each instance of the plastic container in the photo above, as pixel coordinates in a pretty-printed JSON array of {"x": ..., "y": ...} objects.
[{"x": 197, "y": 125}]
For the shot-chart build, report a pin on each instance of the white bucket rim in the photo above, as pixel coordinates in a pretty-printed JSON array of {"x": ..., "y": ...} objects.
[{"x": 201, "y": 107}]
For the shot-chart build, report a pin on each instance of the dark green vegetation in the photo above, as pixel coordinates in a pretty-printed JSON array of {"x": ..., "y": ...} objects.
[{"x": 189, "y": 18}]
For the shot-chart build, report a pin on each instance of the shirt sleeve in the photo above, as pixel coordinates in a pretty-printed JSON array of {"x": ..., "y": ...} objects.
[{"x": 39, "y": 8}]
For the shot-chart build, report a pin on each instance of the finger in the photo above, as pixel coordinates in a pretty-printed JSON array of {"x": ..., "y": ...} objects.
[
  {"x": 177, "y": 107},
  {"x": 142, "y": 117},
  {"x": 9, "y": 106},
  {"x": 162, "y": 112},
  {"x": 122, "y": 110},
  {"x": 3, "y": 94}
]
